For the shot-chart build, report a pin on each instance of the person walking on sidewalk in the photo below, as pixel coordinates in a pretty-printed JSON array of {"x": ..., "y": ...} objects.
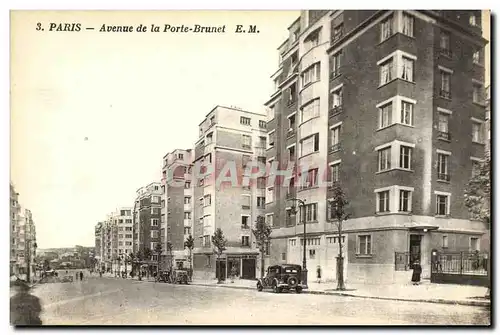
[
  {"x": 318, "y": 274},
  {"x": 417, "y": 271},
  {"x": 81, "y": 276}
]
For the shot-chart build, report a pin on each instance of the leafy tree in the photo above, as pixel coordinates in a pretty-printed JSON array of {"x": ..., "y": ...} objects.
[
  {"x": 147, "y": 256},
  {"x": 478, "y": 193},
  {"x": 219, "y": 244},
  {"x": 338, "y": 213},
  {"x": 169, "y": 250},
  {"x": 189, "y": 244},
  {"x": 158, "y": 251},
  {"x": 46, "y": 265},
  {"x": 261, "y": 232}
]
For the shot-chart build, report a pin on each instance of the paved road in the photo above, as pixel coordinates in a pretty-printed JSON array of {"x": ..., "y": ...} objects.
[{"x": 108, "y": 301}]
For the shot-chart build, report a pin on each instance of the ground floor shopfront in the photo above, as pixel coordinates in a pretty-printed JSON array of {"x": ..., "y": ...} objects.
[
  {"x": 230, "y": 263},
  {"x": 378, "y": 255}
]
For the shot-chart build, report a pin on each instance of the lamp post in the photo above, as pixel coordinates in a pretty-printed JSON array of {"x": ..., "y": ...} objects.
[{"x": 296, "y": 211}]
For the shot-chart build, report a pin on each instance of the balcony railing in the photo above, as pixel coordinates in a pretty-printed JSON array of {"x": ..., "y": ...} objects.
[
  {"x": 443, "y": 176},
  {"x": 290, "y": 133},
  {"x": 338, "y": 35},
  {"x": 245, "y": 207},
  {"x": 245, "y": 226},
  {"x": 446, "y": 52},
  {"x": 335, "y": 73},
  {"x": 445, "y": 94},
  {"x": 443, "y": 135},
  {"x": 335, "y": 110},
  {"x": 335, "y": 147}
]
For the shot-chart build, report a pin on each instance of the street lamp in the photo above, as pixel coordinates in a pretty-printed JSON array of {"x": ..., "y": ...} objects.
[{"x": 294, "y": 210}]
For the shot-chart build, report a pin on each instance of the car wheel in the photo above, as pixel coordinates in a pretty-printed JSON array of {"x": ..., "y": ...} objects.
[
  {"x": 298, "y": 290},
  {"x": 259, "y": 287},
  {"x": 276, "y": 289}
]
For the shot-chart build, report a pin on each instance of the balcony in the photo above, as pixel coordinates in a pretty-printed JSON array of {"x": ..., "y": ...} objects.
[
  {"x": 444, "y": 94},
  {"x": 245, "y": 207},
  {"x": 259, "y": 151},
  {"x": 445, "y": 52},
  {"x": 443, "y": 177},
  {"x": 245, "y": 226},
  {"x": 291, "y": 133},
  {"x": 443, "y": 135},
  {"x": 335, "y": 111},
  {"x": 338, "y": 35},
  {"x": 335, "y": 147}
]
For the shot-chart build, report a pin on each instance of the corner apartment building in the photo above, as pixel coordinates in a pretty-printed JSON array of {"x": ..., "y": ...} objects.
[
  {"x": 109, "y": 244},
  {"x": 146, "y": 220},
  {"x": 123, "y": 219},
  {"x": 176, "y": 211},
  {"x": 228, "y": 136},
  {"x": 388, "y": 104}
]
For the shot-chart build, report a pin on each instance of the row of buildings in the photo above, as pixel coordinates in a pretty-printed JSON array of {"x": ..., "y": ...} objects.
[
  {"x": 22, "y": 239},
  {"x": 389, "y": 104}
]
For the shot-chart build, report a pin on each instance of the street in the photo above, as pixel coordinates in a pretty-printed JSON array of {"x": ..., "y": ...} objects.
[{"x": 110, "y": 301}]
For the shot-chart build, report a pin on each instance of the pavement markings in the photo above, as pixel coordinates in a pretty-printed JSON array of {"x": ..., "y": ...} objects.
[{"x": 80, "y": 298}]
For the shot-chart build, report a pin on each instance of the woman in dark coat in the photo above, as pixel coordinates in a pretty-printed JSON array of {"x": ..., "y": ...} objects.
[{"x": 417, "y": 271}]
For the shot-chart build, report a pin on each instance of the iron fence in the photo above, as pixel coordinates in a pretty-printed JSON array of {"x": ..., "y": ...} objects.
[{"x": 466, "y": 263}]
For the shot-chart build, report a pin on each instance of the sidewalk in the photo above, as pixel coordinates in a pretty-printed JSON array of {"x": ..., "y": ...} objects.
[{"x": 425, "y": 292}]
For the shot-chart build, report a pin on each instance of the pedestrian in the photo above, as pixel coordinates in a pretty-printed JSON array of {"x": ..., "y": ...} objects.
[
  {"x": 76, "y": 276},
  {"x": 81, "y": 275},
  {"x": 417, "y": 271},
  {"x": 318, "y": 274},
  {"x": 25, "y": 308}
]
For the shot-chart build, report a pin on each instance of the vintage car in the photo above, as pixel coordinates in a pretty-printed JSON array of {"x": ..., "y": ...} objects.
[
  {"x": 282, "y": 277},
  {"x": 163, "y": 276},
  {"x": 180, "y": 277}
]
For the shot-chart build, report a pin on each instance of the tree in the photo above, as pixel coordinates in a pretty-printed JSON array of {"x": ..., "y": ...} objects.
[
  {"x": 147, "y": 256},
  {"x": 158, "y": 251},
  {"x": 189, "y": 244},
  {"x": 478, "y": 196},
  {"x": 338, "y": 206},
  {"x": 139, "y": 258},
  {"x": 219, "y": 244},
  {"x": 46, "y": 265},
  {"x": 169, "y": 250},
  {"x": 261, "y": 232}
]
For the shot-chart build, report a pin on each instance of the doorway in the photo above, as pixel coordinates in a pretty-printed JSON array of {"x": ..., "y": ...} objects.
[
  {"x": 220, "y": 268},
  {"x": 248, "y": 268},
  {"x": 415, "y": 249}
]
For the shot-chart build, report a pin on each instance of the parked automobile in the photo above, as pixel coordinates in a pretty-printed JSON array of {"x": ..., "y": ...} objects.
[
  {"x": 282, "y": 277},
  {"x": 163, "y": 276},
  {"x": 180, "y": 277}
]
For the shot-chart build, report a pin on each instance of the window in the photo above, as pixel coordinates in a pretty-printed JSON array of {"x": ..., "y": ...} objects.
[
  {"x": 271, "y": 138},
  {"x": 384, "y": 159},
  {"x": 180, "y": 156},
  {"x": 310, "y": 111},
  {"x": 291, "y": 153},
  {"x": 311, "y": 179},
  {"x": 187, "y": 215},
  {"x": 386, "y": 72},
  {"x": 405, "y": 157},
  {"x": 120, "y": 235},
  {"x": 336, "y": 98},
  {"x": 407, "y": 113},
  {"x": 444, "y": 43},
  {"x": 245, "y": 201},
  {"x": 407, "y": 73},
  {"x": 283, "y": 256},
  {"x": 292, "y": 93},
  {"x": 245, "y": 241},
  {"x": 187, "y": 185},
  {"x": 311, "y": 74},
  {"x": 154, "y": 222},
  {"x": 408, "y": 22},
  {"x": 246, "y": 141},
  {"x": 262, "y": 142},
  {"x": 270, "y": 194},
  {"x": 445, "y": 84},
  {"x": 245, "y": 219},
  {"x": 476, "y": 93},
  {"x": 404, "y": 201},
  {"x": 288, "y": 218},
  {"x": 128, "y": 235},
  {"x": 476, "y": 57},
  {"x": 335, "y": 172},
  {"x": 445, "y": 241},
  {"x": 312, "y": 40},
  {"x": 385, "y": 115},
  {"x": 335, "y": 138},
  {"x": 187, "y": 230},
  {"x": 308, "y": 213},
  {"x": 262, "y": 124},
  {"x": 269, "y": 219},
  {"x": 309, "y": 144},
  {"x": 292, "y": 242},
  {"x": 245, "y": 120},
  {"x": 443, "y": 167},
  {"x": 442, "y": 204},
  {"x": 474, "y": 244},
  {"x": 443, "y": 126},
  {"x": 472, "y": 20},
  {"x": 312, "y": 253},
  {"x": 261, "y": 202},
  {"x": 383, "y": 201},
  {"x": 291, "y": 122},
  {"x": 155, "y": 211},
  {"x": 387, "y": 28},
  {"x": 206, "y": 241},
  {"x": 476, "y": 132},
  {"x": 187, "y": 200},
  {"x": 270, "y": 113},
  {"x": 155, "y": 198},
  {"x": 338, "y": 31},
  {"x": 364, "y": 244},
  {"x": 336, "y": 64},
  {"x": 155, "y": 233}
]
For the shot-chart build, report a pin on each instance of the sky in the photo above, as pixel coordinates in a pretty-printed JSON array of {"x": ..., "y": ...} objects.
[{"x": 93, "y": 114}]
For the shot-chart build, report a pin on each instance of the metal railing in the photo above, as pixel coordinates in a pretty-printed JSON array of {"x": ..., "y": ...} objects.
[
  {"x": 446, "y": 52},
  {"x": 290, "y": 133},
  {"x": 443, "y": 176},
  {"x": 445, "y": 94},
  {"x": 443, "y": 135},
  {"x": 463, "y": 263},
  {"x": 334, "y": 111},
  {"x": 335, "y": 147}
]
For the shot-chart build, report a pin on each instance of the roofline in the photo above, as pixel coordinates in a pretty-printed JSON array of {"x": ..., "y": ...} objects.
[{"x": 222, "y": 106}]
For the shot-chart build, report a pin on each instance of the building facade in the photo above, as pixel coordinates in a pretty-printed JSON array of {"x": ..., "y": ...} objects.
[
  {"x": 387, "y": 104},
  {"x": 98, "y": 252},
  {"x": 109, "y": 244},
  {"x": 229, "y": 138},
  {"x": 146, "y": 222},
  {"x": 176, "y": 212}
]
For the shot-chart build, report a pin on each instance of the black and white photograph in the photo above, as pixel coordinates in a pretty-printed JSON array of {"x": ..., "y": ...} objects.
[{"x": 250, "y": 167}]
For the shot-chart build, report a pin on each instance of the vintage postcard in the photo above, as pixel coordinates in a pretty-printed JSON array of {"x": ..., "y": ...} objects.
[{"x": 310, "y": 167}]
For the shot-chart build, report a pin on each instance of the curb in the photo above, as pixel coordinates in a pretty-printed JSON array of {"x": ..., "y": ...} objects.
[{"x": 433, "y": 301}]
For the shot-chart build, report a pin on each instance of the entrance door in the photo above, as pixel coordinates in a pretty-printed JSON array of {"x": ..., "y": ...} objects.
[
  {"x": 415, "y": 249},
  {"x": 248, "y": 268},
  {"x": 221, "y": 269}
]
